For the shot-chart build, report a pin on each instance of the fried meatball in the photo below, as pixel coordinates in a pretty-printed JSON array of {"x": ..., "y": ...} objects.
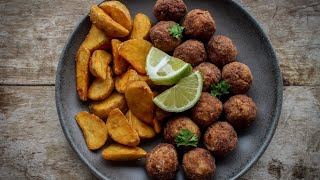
[
  {"x": 239, "y": 76},
  {"x": 162, "y": 162},
  {"x": 221, "y": 50},
  {"x": 220, "y": 138},
  {"x": 161, "y": 38},
  {"x": 198, "y": 164},
  {"x": 169, "y": 10},
  {"x": 240, "y": 111},
  {"x": 192, "y": 52},
  {"x": 207, "y": 110},
  {"x": 211, "y": 74},
  {"x": 199, "y": 24},
  {"x": 175, "y": 125}
]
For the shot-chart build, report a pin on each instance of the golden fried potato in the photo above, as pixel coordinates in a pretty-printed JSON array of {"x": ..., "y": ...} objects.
[
  {"x": 104, "y": 22},
  {"x": 144, "y": 131},
  {"x": 82, "y": 72},
  {"x": 139, "y": 99},
  {"x": 99, "y": 62},
  {"x": 125, "y": 79},
  {"x": 120, "y": 130},
  {"x": 156, "y": 125},
  {"x": 104, "y": 107},
  {"x": 118, "y": 152},
  {"x": 96, "y": 39},
  {"x": 101, "y": 88},
  {"x": 93, "y": 129},
  {"x": 141, "y": 27},
  {"x": 118, "y": 12},
  {"x": 135, "y": 51},
  {"x": 119, "y": 64}
]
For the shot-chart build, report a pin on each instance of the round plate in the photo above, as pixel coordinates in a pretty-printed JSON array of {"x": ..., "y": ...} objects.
[{"x": 255, "y": 50}]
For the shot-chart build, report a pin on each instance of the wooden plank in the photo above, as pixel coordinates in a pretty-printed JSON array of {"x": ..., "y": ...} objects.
[
  {"x": 33, "y": 146},
  {"x": 33, "y": 34}
]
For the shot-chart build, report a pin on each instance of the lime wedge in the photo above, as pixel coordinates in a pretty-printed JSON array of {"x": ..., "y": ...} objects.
[
  {"x": 164, "y": 69},
  {"x": 183, "y": 96}
]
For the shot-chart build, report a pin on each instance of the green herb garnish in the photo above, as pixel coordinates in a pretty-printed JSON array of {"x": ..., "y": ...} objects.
[
  {"x": 186, "y": 138},
  {"x": 176, "y": 31},
  {"x": 220, "y": 89}
]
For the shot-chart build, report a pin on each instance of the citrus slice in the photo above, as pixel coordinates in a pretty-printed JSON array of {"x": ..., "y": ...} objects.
[
  {"x": 183, "y": 96},
  {"x": 164, "y": 69}
]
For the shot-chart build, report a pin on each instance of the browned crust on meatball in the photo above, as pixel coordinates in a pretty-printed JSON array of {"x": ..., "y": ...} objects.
[
  {"x": 198, "y": 164},
  {"x": 220, "y": 138},
  {"x": 168, "y": 10},
  {"x": 239, "y": 76},
  {"x": 240, "y": 111},
  {"x": 221, "y": 50},
  {"x": 211, "y": 74},
  {"x": 199, "y": 24},
  {"x": 191, "y": 51},
  {"x": 162, "y": 162},
  {"x": 161, "y": 38},
  {"x": 207, "y": 110}
]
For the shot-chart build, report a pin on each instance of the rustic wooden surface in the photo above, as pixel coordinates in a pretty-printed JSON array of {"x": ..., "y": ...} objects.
[{"x": 33, "y": 33}]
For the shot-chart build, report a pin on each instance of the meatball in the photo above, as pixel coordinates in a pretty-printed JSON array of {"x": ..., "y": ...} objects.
[
  {"x": 220, "y": 138},
  {"x": 169, "y": 10},
  {"x": 239, "y": 76},
  {"x": 161, "y": 38},
  {"x": 221, "y": 50},
  {"x": 199, "y": 25},
  {"x": 174, "y": 126},
  {"x": 211, "y": 74},
  {"x": 162, "y": 162},
  {"x": 198, "y": 164},
  {"x": 207, "y": 110},
  {"x": 192, "y": 52},
  {"x": 240, "y": 111}
]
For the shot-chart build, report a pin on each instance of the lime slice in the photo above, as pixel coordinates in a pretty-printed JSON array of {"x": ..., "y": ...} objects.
[
  {"x": 164, "y": 69},
  {"x": 183, "y": 96}
]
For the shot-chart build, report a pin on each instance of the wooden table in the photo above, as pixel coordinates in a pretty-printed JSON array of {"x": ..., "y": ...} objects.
[{"x": 33, "y": 33}]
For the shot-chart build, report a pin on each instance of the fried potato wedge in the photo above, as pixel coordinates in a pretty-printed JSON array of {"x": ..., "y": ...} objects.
[
  {"x": 82, "y": 72},
  {"x": 120, "y": 130},
  {"x": 96, "y": 39},
  {"x": 104, "y": 107},
  {"x": 93, "y": 129},
  {"x": 99, "y": 62},
  {"x": 118, "y": 12},
  {"x": 135, "y": 51},
  {"x": 119, "y": 152},
  {"x": 125, "y": 79},
  {"x": 139, "y": 99},
  {"x": 104, "y": 22},
  {"x": 101, "y": 88},
  {"x": 156, "y": 125},
  {"x": 141, "y": 27},
  {"x": 144, "y": 131},
  {"x": 119, "y": 64}
]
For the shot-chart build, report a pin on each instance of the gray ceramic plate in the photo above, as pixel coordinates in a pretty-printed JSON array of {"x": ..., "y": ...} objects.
[{"x": 255, "y": 51}]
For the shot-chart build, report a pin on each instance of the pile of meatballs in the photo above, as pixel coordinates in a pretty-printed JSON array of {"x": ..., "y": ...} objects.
[{"x": 213, "y": 121}]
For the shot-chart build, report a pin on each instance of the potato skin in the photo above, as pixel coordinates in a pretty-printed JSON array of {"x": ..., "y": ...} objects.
[
  {"x": 82, "y": 72},
  {"x": 119, "y": 152},
  {"x": 162, "y": 162},
  {"x": 141, "y": 27}
]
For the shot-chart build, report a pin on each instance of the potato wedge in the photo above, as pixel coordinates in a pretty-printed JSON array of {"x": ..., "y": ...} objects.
[
  {"x": 156, "y": 125},
  {"x": 139, "y": 99},
  {"x": 101, "y": 88},
  {"x": 82, "y": 72},
  {"x": 93, "y": 129},
  {"x": 144, "y": 131},
  {"x": 135, "y": 51},
  {"x": 125, "y": 79},
  {"x": 99, "y": 63},
  {"x": 118, "y": 12},
  {"x": 120, "y": 130},
  {"x": 104, "y": 22},
  {"x": 96, "y": 39},
  {"x": 119, "y": 152},
  {"x": 119, "y": 64},
  {"x": 141, "y": 27},
  {"x": 104, "y": 107}
]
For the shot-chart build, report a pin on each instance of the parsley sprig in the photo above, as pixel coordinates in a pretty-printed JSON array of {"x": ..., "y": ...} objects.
[
  {"x": 176, "y": 31},
  {"x": 219, "y": 89},
  {"x": 186, "y": 138}
]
